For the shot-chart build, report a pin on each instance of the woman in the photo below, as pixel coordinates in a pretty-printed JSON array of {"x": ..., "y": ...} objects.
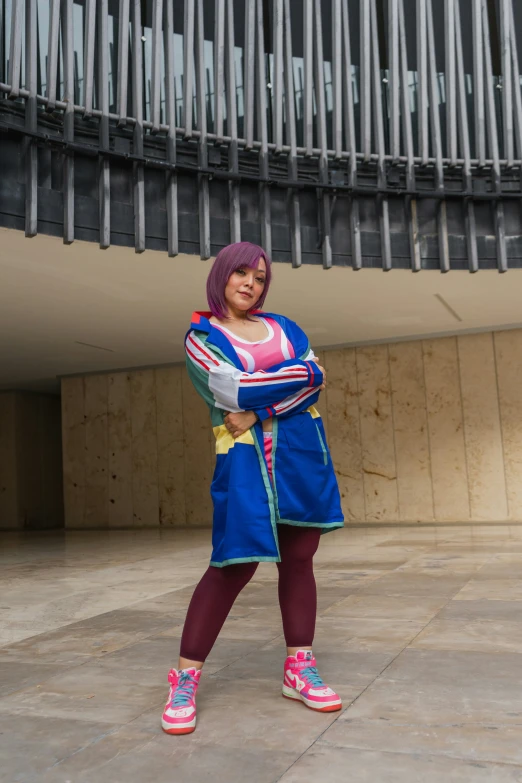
[{"x": 274, "y": 488}]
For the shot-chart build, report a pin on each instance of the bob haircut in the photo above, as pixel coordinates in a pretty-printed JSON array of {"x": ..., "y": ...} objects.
[{"x": 240, "y": 255}]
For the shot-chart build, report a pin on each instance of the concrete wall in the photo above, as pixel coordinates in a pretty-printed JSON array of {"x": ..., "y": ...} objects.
[
  {"x": 419, "y": 431},
  {"x": 31, "y": 495}
]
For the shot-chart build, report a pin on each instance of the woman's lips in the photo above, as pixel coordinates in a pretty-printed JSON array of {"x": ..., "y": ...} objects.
[{"x": 245, "y": 295}]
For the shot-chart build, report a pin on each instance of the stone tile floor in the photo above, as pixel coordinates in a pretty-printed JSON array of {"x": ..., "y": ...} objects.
[{"x": 419, "y": 628}]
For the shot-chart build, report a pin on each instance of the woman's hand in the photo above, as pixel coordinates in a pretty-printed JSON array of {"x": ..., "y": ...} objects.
[{"x": 238, "y": 423}]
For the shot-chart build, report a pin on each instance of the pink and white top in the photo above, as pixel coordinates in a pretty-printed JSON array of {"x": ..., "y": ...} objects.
[{"x": 274, "y": 349}]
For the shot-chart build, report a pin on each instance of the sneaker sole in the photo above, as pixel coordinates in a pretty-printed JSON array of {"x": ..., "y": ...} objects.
[
  {"x": 291, "y": 693},
  {"x": 187, "y": 728}
]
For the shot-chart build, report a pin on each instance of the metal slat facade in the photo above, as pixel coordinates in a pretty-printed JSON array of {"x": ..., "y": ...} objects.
[{"x": 363, "y": 133}]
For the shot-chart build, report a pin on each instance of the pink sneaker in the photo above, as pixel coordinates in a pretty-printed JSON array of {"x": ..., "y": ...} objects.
[
  {"x": 303, "y": 683},
  {"x": 179, "y": 715}
]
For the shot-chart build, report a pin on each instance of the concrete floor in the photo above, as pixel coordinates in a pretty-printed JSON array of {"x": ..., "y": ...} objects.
[{"x": 419, "y": 629}]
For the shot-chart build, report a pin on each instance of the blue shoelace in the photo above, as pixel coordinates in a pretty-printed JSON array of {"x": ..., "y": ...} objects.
[
  {"x": 311, "y": 675},
  {"x": 184, "y": 690}
]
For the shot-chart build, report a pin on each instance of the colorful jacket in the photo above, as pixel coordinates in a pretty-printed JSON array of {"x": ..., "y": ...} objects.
[{"x": 247, "y": 506}]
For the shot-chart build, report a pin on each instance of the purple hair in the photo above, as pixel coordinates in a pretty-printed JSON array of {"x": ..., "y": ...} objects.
[{"x": 240, "y": 255}]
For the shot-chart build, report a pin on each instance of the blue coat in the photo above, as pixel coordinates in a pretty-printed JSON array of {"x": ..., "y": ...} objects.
[{"x": 247, "y": 507}]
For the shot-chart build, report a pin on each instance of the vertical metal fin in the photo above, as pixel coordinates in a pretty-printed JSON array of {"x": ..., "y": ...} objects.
[
  {"x": 469, "y": 206},
  {"x": 422, "y": 80},
  {"x": 516, "y": 86},
  {"x": 104, "y": 170},
  {"x": 123, "y": 61},
  {"x": 52, "y": 53},
  {"x": 292, "y": 196},
  {"x": 442, "y": 220},
  {"x": 15, "y": 48},
  {"x": 394, "y": 79},
  {"x": 382, "y": 200},
  {"x": 451, "y": 97},
  {"x": 248, "y": 73},
  {"x": 137, "y": 108},
  {"x": 264, "y": 191},
  {"x": 188, "y": 67},
  {"x": 31, "y": 150},
  {"x": 155, "y": 108},
  {"x": 349, "y": 126},
  {"x": 204, "y": 206},
  {"x": 365, "y": 80},
  {"x": 277, "y": 77},
  {"x": 478, "y": 83},
  {"x": 337, "y": 79},
  {"x": 324, "y": 197},
  {"x": 219, "y": 68},
  {"x": 308, "y": 66},
  {"x": 170, "y": 110},
  {"x": 233, "y": 162},
  {"x": 507, "y": 80},
  {"x": 407, "y": 132},
  {"x": 88, "y": 55},
  {"x": 3, "y": 77},
  {"x": 491, "y": 122},
  {"x": 68, "y": 120}
]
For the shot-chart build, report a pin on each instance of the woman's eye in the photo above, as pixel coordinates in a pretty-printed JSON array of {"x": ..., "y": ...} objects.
[
  {"x": 260, "y": 280},
  {"x": 240, "y": 271}
]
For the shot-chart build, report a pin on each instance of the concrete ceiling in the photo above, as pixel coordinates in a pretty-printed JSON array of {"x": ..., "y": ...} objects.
[{"x": 75, "y": 309}]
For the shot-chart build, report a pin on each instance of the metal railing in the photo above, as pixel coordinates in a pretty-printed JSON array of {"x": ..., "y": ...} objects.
[{"x": 354, "y": 130}]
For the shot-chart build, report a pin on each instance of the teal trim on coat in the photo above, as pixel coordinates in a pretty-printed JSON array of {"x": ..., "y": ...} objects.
[
  {"x": 269, "y": 490},
  {"x": 327, "y": 526},
  {"x": 325, "y": 453},
  {"x": 235, "y": 560}
]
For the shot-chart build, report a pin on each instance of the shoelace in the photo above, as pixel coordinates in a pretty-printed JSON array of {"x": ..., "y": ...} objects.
[
  {"x": 184, "y": 690},
  {"x": 312, "y": 676}
]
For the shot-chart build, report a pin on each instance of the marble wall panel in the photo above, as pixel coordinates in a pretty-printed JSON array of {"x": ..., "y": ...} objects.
[
  {"x": 73, "y": 445},
  {"x": 50, "y": 448},
  {"x": 96, "y": 451},
  {"x": 145, "y": 495},
  {"x": 8, "y": 472},
  {"x": 487, "y": 483},
  {"x": 171, "y": 465},
  {"x": 411, "y": 432},
  {"x": 38, "y": 460},
  {"x": 29, "y": 460},
  {"x": 342, "y": 407},
  {"x": 31, "y": 492},
  {"x": 508, "y": 350},
  {"x": 197, "y": 437},
  {"x": 414, "y": 430},
  {"x": 378, "y": 447},
  {"x": 446, "y": 430},
  {"x": 119, "y": 430}
]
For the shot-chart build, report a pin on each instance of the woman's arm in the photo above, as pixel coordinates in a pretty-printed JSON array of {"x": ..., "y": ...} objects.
[
  {"x": 279, "y": 389},
  {"x": 238, "y": 423}
]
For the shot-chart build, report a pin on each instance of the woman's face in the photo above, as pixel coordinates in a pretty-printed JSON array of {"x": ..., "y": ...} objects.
[{"x": 245, "y": 286}]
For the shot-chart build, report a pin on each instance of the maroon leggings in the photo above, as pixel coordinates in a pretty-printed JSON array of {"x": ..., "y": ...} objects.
[{"x": 218, "y": 589}]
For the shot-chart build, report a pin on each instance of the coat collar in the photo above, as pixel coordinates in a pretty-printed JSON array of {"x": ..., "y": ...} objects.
[{"x": 201, "y": 320}]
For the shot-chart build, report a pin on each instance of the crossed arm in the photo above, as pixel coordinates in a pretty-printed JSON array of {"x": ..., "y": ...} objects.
[
  {"x": 239, "y": 423},
  {"x": 281, "y": 390}
]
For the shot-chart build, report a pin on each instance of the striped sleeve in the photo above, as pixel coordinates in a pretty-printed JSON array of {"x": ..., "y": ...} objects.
[
  {"x": 235, "y": 390},
  {"x": 300, "y": 401}
]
